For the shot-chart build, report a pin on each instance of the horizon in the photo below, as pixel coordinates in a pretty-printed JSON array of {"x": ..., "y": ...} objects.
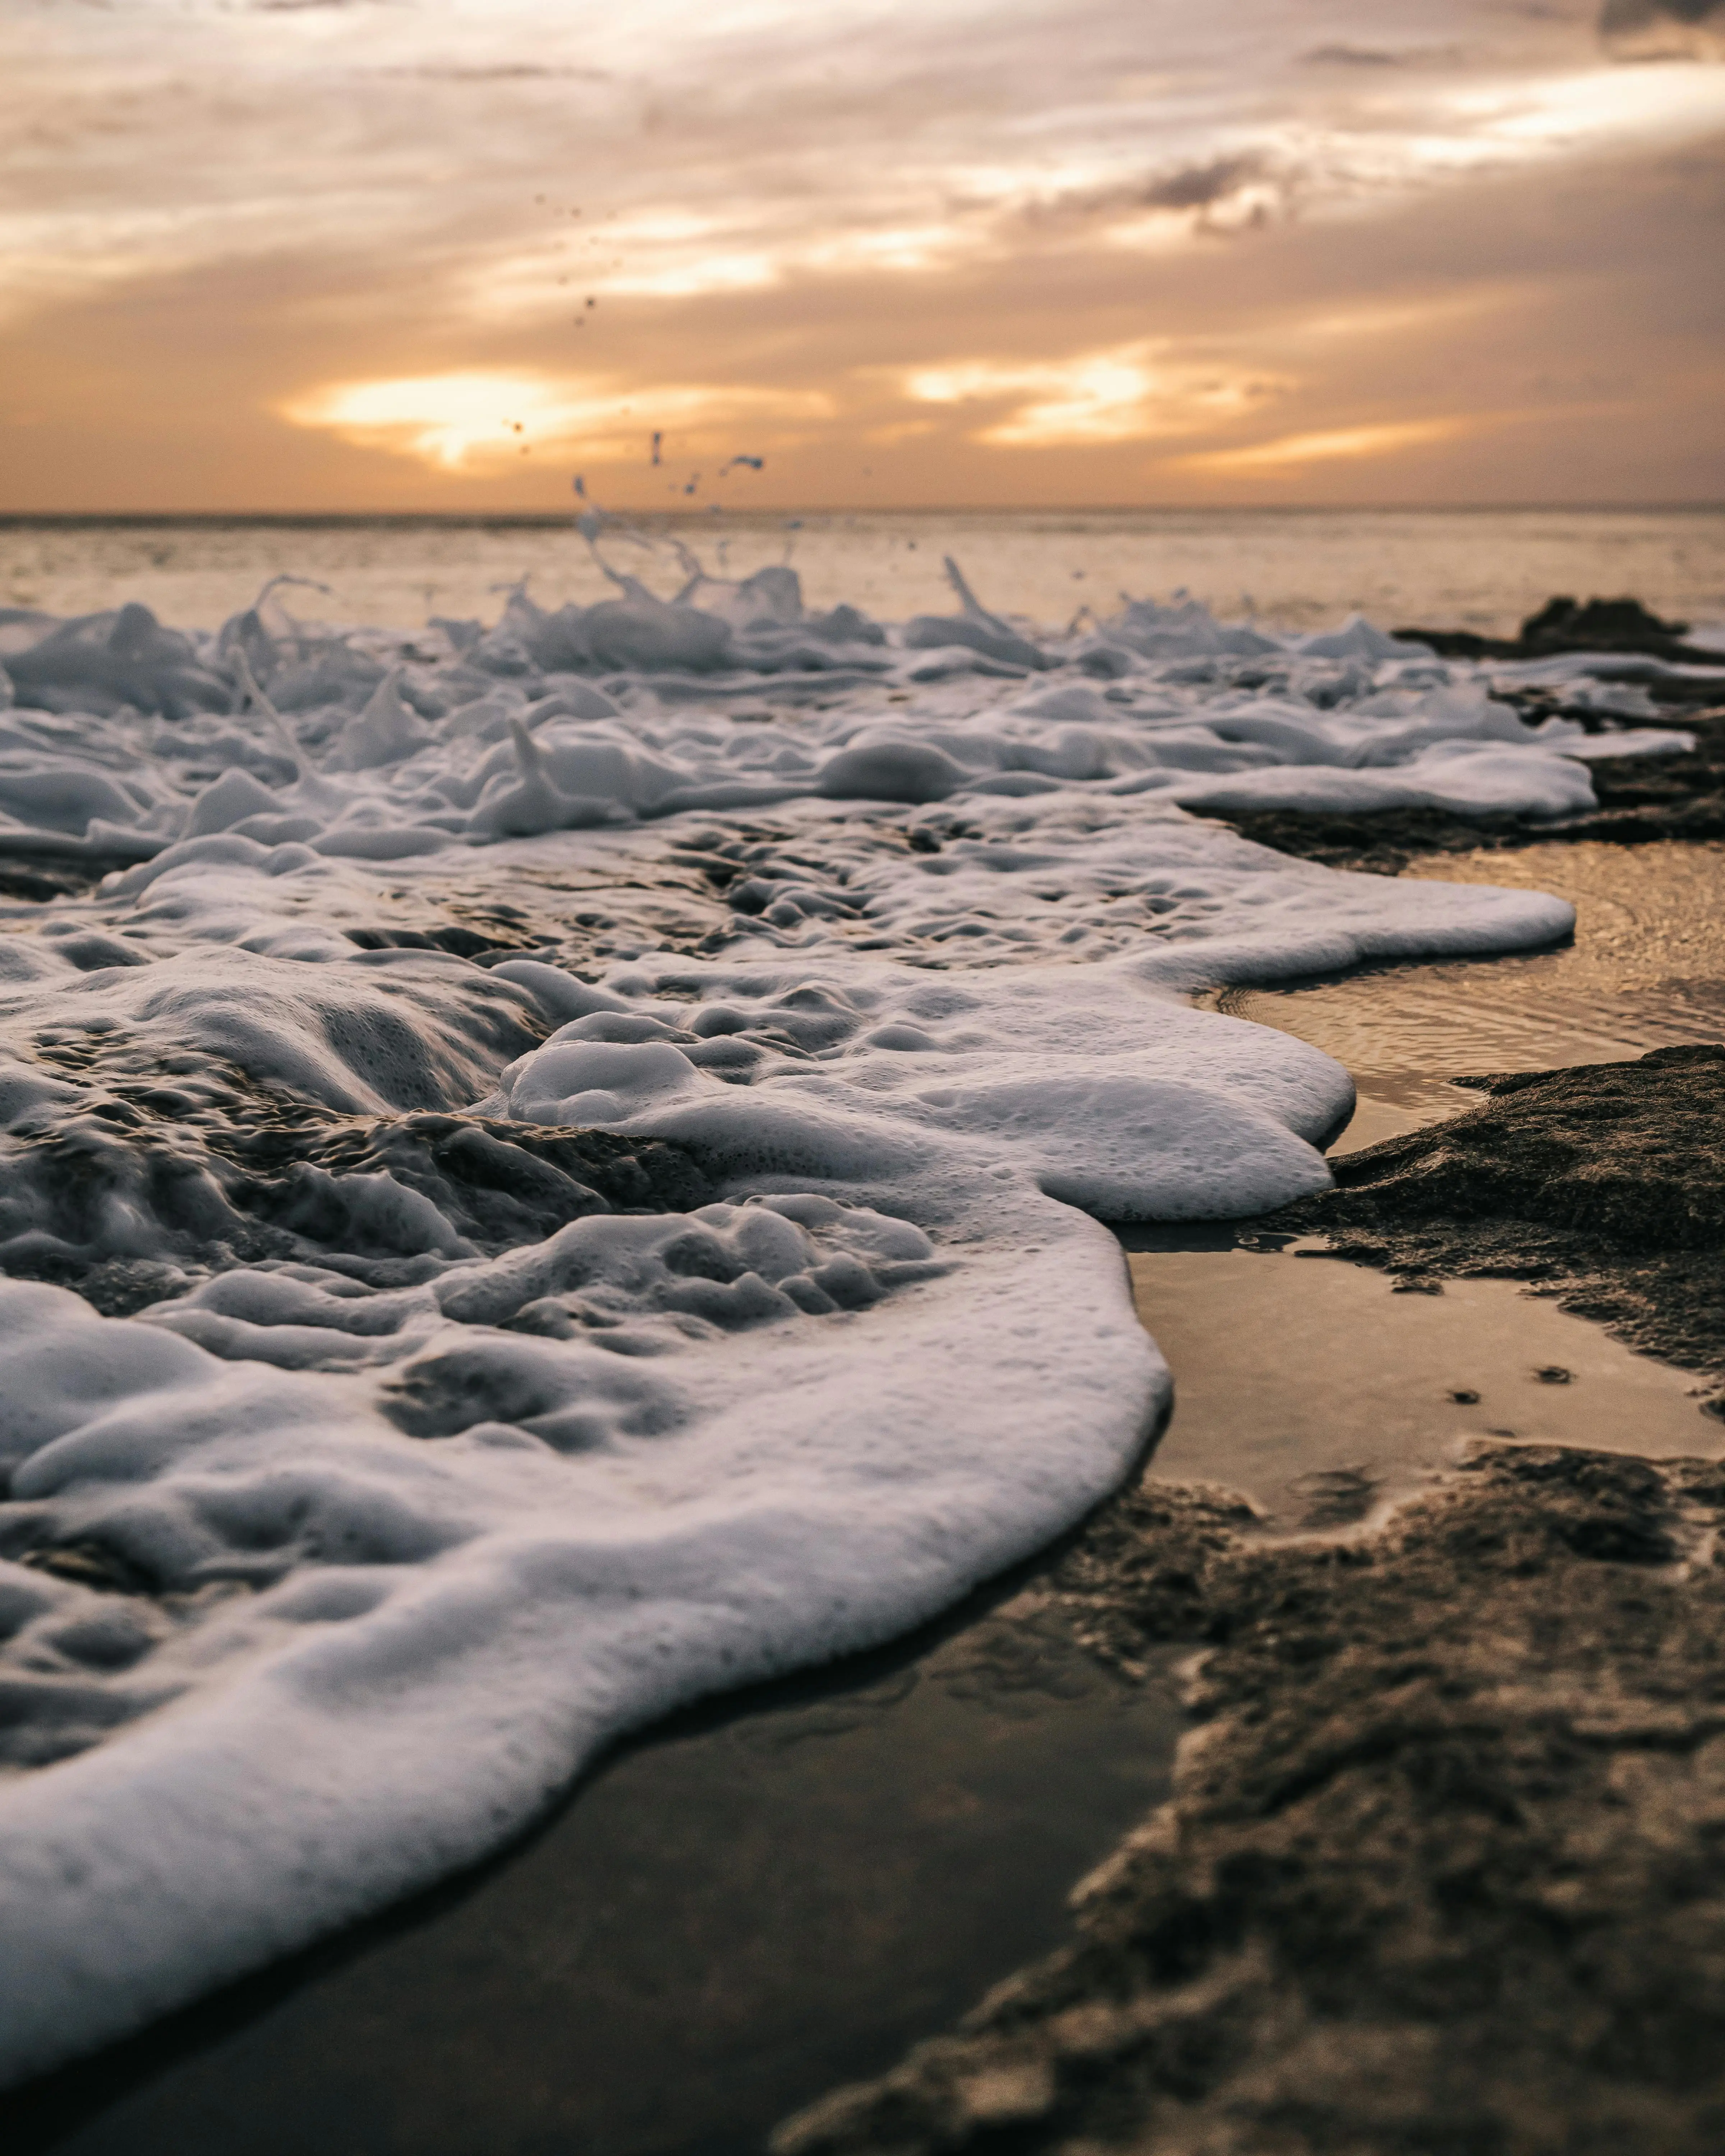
[{"x": 706, "y": 520}]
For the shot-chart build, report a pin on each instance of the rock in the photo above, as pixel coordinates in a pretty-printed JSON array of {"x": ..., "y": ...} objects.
[
  {"x": 1440, "y": 1867},
  {"x": 1641, "y": 799},
  {"x": 1564, "y": 624},
  {"x": 1622, "y": 624},
  {"x": 1605, "y": 1180},
  {"x": 1440, "y": 1871}
]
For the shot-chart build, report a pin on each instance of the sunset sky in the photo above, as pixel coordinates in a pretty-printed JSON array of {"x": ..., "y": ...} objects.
[{"x": 404, "y": 254}]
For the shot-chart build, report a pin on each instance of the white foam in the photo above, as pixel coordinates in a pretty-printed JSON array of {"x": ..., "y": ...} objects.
[
  {"x": 640, "y": 707},
  {"x": 405, "y": 1488}
]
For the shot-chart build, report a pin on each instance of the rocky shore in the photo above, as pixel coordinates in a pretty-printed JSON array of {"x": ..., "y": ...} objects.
[
  {"x": 1603, "y": 1182},
  {"x": 1641, "y": 798},
  {"x": 1440, "y": 1871},
  {"x": 1440, "y": 1868}
]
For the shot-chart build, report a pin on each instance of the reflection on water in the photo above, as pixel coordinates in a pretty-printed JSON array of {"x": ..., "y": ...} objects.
[
  {"x": 1318, "y": 1388},
  {"x": 782, "y": 1892},
  {"x": 1646, "y": 969},
  {"x": 762, "y": 1899},
  {"x": 1314, "y": 1384}
]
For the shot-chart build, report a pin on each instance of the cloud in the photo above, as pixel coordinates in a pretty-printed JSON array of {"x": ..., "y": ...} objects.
[
  {"x": 431, "y": 71},
  {"x": 811, "y": 217},
  {"x": 1240, "y": 190},
  {"x": 1664, "y": 29},
  {"x": 1348, "y": 56},
  {"x": 1201, "y": 186},
  {"x": 1374, "y": 56},
  {"x": 1339, "y": 442},
  {"x": 473, "y": 419},
  {"x": 1134, "y": 392}
]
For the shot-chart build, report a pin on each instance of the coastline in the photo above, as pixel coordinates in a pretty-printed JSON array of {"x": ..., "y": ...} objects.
[
  {"x": 1298, "y": 1637},
  {"x": 918, "y": 874},
  {"x": 1437, "y": 1868}
]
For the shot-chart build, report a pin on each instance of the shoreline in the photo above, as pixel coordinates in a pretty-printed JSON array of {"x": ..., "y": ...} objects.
[
  {"x": 1159, "y": 1571},
  {"x": 1316, "y": 1091},
  {"x": 1642, "y": 799},
  {"x": 1437, "y": 1869},
  {"x": 1437, "y": 1862}
]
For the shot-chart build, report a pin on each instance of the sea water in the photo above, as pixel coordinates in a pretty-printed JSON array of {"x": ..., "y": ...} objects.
[
  {"x": 1484, "y": 570},
  {"x": 367, "y": 1469}
]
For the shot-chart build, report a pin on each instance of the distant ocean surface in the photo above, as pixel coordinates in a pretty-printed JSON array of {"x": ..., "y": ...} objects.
[{"x": 1480, "y": 569}]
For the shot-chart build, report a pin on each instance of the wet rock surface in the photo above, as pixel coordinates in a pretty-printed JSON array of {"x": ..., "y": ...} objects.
[
  {"x": 1440, "y": 1871},
  {"x": 1564, "y": 624},
  {"x": 1641, "y": 799},
  {"x": 1605, "y": 1181}
]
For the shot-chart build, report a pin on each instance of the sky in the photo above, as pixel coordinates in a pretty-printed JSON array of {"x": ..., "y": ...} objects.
[{"x": 399, "y": 255}]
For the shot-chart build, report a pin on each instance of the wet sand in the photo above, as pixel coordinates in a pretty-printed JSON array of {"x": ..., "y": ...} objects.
[{"x": 1338, "y": 1391}]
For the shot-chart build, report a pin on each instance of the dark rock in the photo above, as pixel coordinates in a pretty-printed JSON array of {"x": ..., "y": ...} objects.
[
  {"x": 1563, "y": 624},
  {"x": 1641, "y": 799},
  {"x": 1618, "y": 624},
  {"x": 1440, "y": 1869},
  {"x": 1605, "y": 1180}
]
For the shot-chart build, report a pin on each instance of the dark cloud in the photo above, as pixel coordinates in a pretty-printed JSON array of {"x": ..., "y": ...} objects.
[
  {"x": 1203, "y": 187},
  {"x": 1664, "y": 29},
  {"x": 429, "y": 71},
  {"x": 1373, "y": 56}
]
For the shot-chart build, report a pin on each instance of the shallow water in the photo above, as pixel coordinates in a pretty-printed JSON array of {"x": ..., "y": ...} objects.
[
  {"x": 1481, "y": 569},
  {"x": 762, "y": 1900},
  {"x": 1323, "y": 1391},
  {"x": 665, "y": 1454},
  {"x": 1312, "y": 1383},
  {"x": 1645, "y": 969},
  {"x": 508, "y": 1476},
  {"x": 782, "y": 1891}
]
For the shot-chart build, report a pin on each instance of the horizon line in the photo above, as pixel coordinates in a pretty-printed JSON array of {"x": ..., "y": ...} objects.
[{"x": 553, "y": 518}]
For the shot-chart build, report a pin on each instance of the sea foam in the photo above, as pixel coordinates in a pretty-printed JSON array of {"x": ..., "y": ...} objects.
[{"x": 426, "y": 1354}]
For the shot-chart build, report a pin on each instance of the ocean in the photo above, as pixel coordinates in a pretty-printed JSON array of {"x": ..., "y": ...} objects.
[{"x": 1477, "y": 569}]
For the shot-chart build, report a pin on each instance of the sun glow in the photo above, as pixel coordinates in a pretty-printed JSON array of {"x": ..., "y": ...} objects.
[
  {"x": 475, "y": 418},
  {"x": 1127, "y": 394}
]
